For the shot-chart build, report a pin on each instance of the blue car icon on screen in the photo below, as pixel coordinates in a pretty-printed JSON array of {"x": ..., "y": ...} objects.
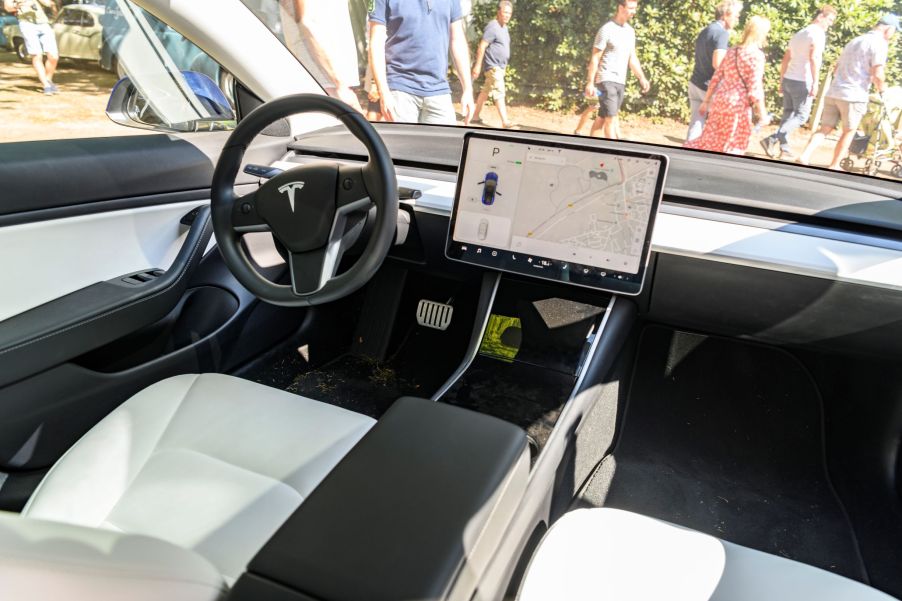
[{"x": 489, "y": 188}]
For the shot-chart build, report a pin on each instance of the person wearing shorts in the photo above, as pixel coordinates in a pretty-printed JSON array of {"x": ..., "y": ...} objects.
[
  {"x": 39, "y": 38},
  {"x": 492, "y": 56},
  {"x": 610, "y": 98},
  {"x": 409, "y": 46},
  {"x": 613, "y": 52},
  {"x": 861, "y": 63}
]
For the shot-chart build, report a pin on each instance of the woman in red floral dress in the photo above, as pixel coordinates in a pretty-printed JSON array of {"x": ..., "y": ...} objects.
[{"x": 736, "y": 87}]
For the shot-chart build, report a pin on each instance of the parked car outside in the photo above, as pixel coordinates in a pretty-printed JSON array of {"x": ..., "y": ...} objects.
[
  {"x": 78, "y": 33},
  {"x": 5, "y": 19}
]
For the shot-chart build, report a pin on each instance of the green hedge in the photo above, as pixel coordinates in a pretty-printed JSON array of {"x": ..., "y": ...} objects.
[{"x": 551, "y": 41}]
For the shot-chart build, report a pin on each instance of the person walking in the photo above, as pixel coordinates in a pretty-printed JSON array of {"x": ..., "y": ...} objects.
[
  {"x": 861, "y": 64},
  {"x": 710, "y": 47},
  {"x": 736, "y": 91},
  {"x": 799, "y": 76},
  {"x": 492, "y": 56},
  {"x": 613, "y": 52},
  {"x": 323, "y": 38},
  {"x": 409, "y": 43},
  {"x": 39, "y": 38}
]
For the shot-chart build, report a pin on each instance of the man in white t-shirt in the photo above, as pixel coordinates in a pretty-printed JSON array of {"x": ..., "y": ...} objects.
[
  {"x": 319, "y": 33},
  {"x": 861, "y": 63},
  {"x": 40, "y": 40},
  {"x": 613, "y": 52},
  {"x": 799, "y": 75}
]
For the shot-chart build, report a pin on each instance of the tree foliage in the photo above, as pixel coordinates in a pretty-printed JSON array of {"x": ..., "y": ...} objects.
[{"x": 551, "y": 42}]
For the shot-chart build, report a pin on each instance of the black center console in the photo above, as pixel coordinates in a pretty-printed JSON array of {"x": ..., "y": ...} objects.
[
  {"x": 536, "y": 341},
  {"x": 414, "y": 511}
]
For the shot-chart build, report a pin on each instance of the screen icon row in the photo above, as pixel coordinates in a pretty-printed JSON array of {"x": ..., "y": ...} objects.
[{"x": 540, "y": 263}]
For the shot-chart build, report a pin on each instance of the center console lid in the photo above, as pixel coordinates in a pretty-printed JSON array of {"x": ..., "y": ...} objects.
[{"x": 414, "y": 511}]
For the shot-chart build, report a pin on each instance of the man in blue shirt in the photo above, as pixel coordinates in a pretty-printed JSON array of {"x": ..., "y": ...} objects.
[
  {"x": 710, "y": 47},
  {"x": 409, "y": 43},
  {"x": 493, "y": 53}
]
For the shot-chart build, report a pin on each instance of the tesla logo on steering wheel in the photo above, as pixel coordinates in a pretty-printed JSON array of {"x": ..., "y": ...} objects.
[{"x": 290, "y": 189}]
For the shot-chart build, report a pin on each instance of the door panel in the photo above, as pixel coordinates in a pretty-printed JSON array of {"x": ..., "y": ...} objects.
[
  {"x": 72, "y": 325},
  {"x": 59, "y": 256},
  {"x": 75, "y": 340},
  {"x": 65, "y": 37}
]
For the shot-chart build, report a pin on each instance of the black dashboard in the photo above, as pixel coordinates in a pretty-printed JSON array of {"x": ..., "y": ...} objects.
[{"x": 741, "y": 247}]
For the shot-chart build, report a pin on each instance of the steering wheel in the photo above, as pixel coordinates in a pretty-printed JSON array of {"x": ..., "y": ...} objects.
[{"x": 309, "y": 209}]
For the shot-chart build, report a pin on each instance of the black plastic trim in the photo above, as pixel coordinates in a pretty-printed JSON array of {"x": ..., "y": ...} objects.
[
  {"x": 91, "y": 171},
  {"x": 387, "y": 523},
  {"x": 104, "y": 206},
  {"x": 54, "y": 332}
]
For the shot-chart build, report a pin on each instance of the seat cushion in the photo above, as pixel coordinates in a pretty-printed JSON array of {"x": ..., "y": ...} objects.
[
  {"x": 42, "y": 560},
  {"x": 211, "y": 463},
  {"x": 613, "y": 554}
]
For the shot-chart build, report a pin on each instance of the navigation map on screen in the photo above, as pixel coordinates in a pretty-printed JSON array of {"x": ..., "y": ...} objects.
[{"x": 585, "y": 210}]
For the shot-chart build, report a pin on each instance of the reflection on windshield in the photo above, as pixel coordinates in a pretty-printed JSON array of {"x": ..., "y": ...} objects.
[{"x": 814, "y": 87}]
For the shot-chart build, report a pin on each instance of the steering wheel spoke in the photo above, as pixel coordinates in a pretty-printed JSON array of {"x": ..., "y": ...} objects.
[
  {"x": 245, "y": 218},
  {"x": 352, "y": 188},
  {"x": 311, "y": 270}
]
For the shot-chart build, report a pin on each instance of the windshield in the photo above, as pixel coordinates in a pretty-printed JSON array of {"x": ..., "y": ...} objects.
[{"x": 811, "y": 84}]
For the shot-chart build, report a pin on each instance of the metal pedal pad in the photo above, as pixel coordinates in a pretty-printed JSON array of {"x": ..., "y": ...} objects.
[{"x": 434, "y": 315}]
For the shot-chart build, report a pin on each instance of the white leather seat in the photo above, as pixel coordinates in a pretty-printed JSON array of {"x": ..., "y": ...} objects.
[
  {"x": 210, "y": 464},
  {"x": 613, "y": 554}
]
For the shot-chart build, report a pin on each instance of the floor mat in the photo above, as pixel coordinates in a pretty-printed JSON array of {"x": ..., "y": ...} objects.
[
  {"x": 356, "y": 383},
  {"x": 725, "y": 437},
  {"x": 422, "y": 362},
  {"x": 525, "y": 395}
]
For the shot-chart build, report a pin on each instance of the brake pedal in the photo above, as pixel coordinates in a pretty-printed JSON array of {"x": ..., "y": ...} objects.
[{"x": 434, "y": 315}]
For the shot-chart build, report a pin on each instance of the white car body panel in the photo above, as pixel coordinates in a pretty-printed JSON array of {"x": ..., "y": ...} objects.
[
  {"x": 79, "y": 41},
  {"x": 260, "y": 61},
  {"x": 153, "y": 71}
]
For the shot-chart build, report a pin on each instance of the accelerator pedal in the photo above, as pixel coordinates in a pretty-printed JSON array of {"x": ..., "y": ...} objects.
[{"x": 434, "y": 315}]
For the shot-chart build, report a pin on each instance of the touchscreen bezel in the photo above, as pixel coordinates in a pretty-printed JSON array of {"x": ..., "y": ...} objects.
[{"x": 587, "y": 276}]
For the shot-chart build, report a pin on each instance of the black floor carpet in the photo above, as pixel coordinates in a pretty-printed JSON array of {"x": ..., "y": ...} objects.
[
  {"x": 725, "y": 437},
  {"x": 421, "y": 363},
  {"x": 523, "y": 394},
  {"x": 364, "y": 385}
]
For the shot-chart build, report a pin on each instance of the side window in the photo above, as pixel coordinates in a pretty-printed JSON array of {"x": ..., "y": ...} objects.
[
  {"x": 71, "y": 17},
  {"x": 105, "y": 69}
]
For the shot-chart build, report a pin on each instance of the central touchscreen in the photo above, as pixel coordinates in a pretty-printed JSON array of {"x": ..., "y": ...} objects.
[{"x": 570, "y": 213}]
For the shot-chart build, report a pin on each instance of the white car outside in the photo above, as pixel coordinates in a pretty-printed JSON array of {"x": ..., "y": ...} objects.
[{"x": 78, "y": 34}]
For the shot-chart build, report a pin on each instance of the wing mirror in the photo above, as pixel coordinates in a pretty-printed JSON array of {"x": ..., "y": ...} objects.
[{"x": 183, "y": 101}]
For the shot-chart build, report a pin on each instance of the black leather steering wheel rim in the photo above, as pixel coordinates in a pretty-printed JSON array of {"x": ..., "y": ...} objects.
[{"x": 377, "y": 180}]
